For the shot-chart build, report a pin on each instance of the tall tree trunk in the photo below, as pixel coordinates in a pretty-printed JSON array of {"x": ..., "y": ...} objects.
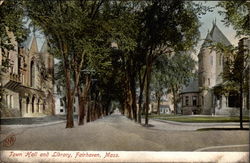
[
  {"x": 149, "y": 69},
  {"x": 83, "y": 98},
  {"x": 158, "y": 104},
  {"x": 241, "y": 107},
  {"x": 133, "y": 93},
  {"x": 88, "y": 111},
  {"x": 70, "y": 121},
  {"x": 142, "y": 82},
  {"x": 148, "y": 94},
  {"x": 81, "y": 109},
  {"x": 128, "y": 99}
]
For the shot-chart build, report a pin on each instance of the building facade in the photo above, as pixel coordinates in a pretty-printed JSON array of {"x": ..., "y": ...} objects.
[
  {"x": 28, "y": 80},
  {"x": 60, "y": 102},
  {"x": 201, "y": 95},
  {"x": 190, "y": 102}
]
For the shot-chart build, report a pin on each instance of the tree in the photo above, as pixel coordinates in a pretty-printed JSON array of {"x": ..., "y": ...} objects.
[
  {"x": 72, "y": 39},
  {"x": 168, "y": 25},
  {"x": 234, "y": 74},
  {"x": 158, "y": 86},
  {"x": 236, "y": 13},
  {"x": 177, "y": 70}
]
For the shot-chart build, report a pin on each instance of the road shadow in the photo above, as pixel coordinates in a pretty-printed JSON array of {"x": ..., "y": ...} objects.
[
  {"x": 148, "y": 125},
  {"x": 31, "y": 120},
  {"x": 222, "y": 129}
]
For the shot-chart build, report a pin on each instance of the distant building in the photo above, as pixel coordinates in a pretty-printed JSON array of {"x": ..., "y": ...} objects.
[
  {"x": 28, "y": 81},
  {"x": 166, "y": 105},
  {"x": 60, "y": 98}
]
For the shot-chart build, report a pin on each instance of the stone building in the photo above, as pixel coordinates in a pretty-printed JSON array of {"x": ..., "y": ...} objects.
[
  {"x": 190, "y": 103},
  {"x": 28, "y": 81},
  {"x": 210, "y": 69},
  {"x": 201, "y": 95}
]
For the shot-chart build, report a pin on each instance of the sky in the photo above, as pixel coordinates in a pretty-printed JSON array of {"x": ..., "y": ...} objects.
[{"x": 207, "y": 22}]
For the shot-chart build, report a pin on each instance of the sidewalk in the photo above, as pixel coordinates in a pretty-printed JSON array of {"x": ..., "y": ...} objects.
[
  {"x": 30, "y": 120},
  {"x": 203, "y": 123}
]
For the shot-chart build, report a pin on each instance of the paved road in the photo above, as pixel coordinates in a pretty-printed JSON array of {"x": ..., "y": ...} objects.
[{"x": 116, "y": 132}]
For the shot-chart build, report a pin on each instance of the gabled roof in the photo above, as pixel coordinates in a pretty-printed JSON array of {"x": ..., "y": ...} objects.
[
  {"x": 44, "y": 48},
  {"x": 216, "y": 35},
  {"x": 27, "y": 43},
  {"x": 191, "y": 87}
]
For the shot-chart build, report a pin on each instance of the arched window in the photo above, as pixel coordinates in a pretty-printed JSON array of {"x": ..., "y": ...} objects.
[
  {"x": 32, "y": 74},
  {"x": 38, "y": 105},
  {"x": 27, "y": 104},
  {"x": 33, "y": 104},
  {"x": 11, "y": 101}
]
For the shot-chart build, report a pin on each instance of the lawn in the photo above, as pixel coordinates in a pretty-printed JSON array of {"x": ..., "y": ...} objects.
[{"x": 198, "y": 119}]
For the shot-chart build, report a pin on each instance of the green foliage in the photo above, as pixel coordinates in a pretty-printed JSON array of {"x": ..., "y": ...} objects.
[
  {"x": 170, "y": 24},
  {"x": 12, "y": 20},
  {"x": 237, "y": 14},
  {"x": 176, "y": 70},
  {"x": 233, "y": 72}
]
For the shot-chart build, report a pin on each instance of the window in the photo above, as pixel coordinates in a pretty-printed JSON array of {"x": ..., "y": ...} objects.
[
  {"x": 61, "y": 101},
  {"x": 44, "y": 102},
  {"x": 11, "y": 101},
  {"x": 208, "y": 81},
  {"x": 27, "y": 104},
  {"x": 7, "y": 100},
  {"x": 19, "y": 63},
  {"x": 12, "y": 69},
  {"x": 194, "y": 100},
  {"x": 186, "y": 100},
  {"x": 33, "y": 104},
  {"x": 233, "y": 100},
  {"x": 32, "y": 74},
  {"x": 74, "y": 109},
  {"x": 61, "y": 110}
]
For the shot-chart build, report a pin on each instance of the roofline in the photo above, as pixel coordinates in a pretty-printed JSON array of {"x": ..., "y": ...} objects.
[{"x": 190, "y": 92}]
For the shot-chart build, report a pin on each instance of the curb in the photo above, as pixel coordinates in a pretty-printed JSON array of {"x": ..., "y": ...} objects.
[{"x": 199, "y": 124}]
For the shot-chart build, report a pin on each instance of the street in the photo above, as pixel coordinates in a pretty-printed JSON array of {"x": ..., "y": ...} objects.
[{"x": 117, "y": 133}]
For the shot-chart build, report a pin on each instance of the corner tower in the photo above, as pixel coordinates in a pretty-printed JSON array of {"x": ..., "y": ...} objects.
[{"x": 210, "y": 69}]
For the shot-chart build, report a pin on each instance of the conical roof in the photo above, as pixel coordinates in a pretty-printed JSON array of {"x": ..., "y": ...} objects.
[{"x": 216, "y": 35}]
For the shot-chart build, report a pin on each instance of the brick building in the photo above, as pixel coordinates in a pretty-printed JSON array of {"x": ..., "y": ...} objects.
[{"x": 28, "y": 81}]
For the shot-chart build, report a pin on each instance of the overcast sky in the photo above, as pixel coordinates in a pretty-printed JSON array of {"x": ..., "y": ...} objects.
[{"x": 207, "y": 21}]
